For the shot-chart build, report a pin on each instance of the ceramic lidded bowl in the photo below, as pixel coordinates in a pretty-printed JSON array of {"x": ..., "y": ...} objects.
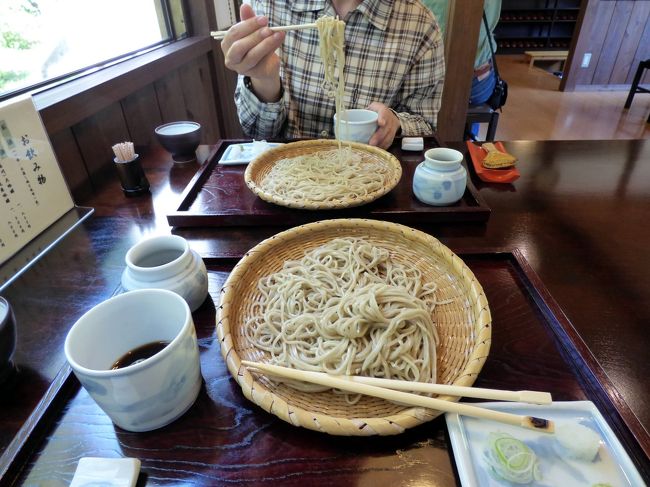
[
  {"x": 440, "y": 179},
  {"x": 181, "y": 139},
  {"x": 167, "y": 262}
]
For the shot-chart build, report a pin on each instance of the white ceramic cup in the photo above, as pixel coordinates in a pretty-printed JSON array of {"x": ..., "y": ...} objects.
[
  {"x": 149, "y": 394},
  {"x": 167, "y": 262},
  {"x": 358, "y": 125}
]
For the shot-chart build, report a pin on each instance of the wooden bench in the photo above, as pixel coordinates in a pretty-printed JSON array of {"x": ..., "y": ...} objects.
[{"x": 546, "y": 56}]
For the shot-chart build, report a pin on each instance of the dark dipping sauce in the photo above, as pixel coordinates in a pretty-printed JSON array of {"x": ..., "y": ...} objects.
[{"x": 139, "y": 354}]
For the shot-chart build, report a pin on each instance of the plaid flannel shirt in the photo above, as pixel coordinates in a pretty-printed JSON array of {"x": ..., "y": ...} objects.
[{"x": 393, "y": 54}]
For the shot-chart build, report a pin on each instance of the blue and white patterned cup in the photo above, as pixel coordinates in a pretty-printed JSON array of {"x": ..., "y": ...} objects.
[
  {"x": 357, "y": 125},
  {"x": 148, "y": 394},
  {"x": 440, "y": 179}
]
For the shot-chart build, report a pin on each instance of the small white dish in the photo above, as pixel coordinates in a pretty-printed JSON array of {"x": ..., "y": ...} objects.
[
  {"x": 415, "y": 144},
  {"x": 106, "y": 472},
  {"x": 245, "y": 153},
  {"x": 611, "y": 466}
]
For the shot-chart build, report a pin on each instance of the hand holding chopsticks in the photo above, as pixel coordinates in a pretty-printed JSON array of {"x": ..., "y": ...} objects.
[
  {"x": 220, "y": 34},
  {"x": 387, "y": 391}
]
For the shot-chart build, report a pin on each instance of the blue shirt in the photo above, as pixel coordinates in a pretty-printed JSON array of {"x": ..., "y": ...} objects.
[{"x": 492, "y": 12}]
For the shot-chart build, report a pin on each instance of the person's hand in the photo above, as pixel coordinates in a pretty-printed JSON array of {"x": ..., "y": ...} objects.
[
  {"x": 249, "y": 49},
  {"x": 388, "y": 125}
]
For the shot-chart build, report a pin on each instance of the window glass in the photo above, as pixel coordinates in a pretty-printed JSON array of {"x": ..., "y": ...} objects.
[{"x": 45, "y": 39}]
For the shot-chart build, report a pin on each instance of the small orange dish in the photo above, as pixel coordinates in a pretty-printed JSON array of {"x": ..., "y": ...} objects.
[{"x": 477, "y": 154}]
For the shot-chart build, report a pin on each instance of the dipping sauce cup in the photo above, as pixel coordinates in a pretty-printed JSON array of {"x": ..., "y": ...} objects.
[{"x": 155, "y": 391}]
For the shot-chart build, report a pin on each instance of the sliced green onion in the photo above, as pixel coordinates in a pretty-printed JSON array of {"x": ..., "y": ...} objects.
[{"x": 511, "y": 459}]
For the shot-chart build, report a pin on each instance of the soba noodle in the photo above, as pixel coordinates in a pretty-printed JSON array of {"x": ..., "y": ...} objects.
[
  {"x": 347, "y": 308},
  {"x": 331, "y": 37},
  {"x": 321, "y": 177}
]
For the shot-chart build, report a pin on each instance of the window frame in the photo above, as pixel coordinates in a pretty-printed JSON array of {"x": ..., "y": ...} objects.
[
  {"x": 172, "y": 36},
  {"x": 65, "y": 105}
]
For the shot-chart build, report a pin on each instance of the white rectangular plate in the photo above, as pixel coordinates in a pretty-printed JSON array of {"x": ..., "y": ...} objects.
[
  {"x": 244, "y": 153},
  {"x": 611, "y": 466}
]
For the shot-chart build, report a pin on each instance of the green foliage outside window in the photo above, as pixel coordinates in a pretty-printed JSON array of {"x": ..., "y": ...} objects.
[
  {"x": 36, "y": 51},
  {"x": 14, "y": 40}
]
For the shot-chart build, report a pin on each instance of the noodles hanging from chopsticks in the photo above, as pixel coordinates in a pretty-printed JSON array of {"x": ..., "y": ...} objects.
[
  {"x": 331, "y": 36},
  {"x": 334, "y": 175}
]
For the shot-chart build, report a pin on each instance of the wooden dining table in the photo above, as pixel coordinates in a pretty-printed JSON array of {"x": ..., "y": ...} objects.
[{"x": 562, "y": 254}]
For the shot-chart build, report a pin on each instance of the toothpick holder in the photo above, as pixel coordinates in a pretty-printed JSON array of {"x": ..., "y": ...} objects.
[{"x": 134, "y": 182}]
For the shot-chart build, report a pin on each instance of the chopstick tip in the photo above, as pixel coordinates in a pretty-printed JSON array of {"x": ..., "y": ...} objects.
[{"x": 538, "y": 424}]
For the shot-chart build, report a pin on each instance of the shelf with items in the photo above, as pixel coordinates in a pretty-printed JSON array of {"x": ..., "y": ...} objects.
[
  {"x": 536, "y": 24},
  {"x": 540, "y": 5},
  {"x": 515, "y": 46},
  {"x": 525, "y": 16}
]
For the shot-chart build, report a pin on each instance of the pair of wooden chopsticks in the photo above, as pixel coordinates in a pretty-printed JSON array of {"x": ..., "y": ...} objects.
[
  {"x": 391, "y": 391},
  {"x": 220, "y": 34}
]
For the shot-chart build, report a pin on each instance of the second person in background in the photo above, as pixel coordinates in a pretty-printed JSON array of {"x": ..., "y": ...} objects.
[{"x": 394, "y": 66}]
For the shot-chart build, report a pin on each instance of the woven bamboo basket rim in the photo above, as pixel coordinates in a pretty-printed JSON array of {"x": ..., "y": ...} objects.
[
  {"x": 259, "y": 167},
  {"x": 464, "y": 327}
]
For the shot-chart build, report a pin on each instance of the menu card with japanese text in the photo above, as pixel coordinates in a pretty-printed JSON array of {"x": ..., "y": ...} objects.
[{"x": 33, "y": 192}]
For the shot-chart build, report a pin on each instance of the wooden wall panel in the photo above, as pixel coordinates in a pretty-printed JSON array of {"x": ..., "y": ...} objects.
[
  {"x": 169, "y": 91},
  {"x": 634, "y": 31},
  {"x": 197, "y": 85},
  {"x": 594, "y": 30},
  {"x": 616, "y": 33},
  {"x": 142, "y": 115},
  {"x": 201, "y": 17},
  {"x": 226, "y": 84},
  {"x": 578, "y": 41},
  {"x": 96, "y": 135},
  {"x": 72, "y": 164},
  {"x": 613, "y": 40}
]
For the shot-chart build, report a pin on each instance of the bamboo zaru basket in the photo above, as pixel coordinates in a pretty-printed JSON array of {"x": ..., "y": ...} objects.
[
  {"x": 259, "y": 168},
  {"x": 463, "y": 326}
]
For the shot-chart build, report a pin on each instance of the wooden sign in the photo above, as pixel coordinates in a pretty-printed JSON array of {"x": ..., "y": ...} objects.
[{"x": 33, "y": 192}]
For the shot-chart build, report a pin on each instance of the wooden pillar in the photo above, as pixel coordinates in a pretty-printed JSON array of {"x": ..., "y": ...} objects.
[
  {"x": 224, "y": 81},
  {"x": 461, "y": 40},
  {"x": 579, "y": 44}
]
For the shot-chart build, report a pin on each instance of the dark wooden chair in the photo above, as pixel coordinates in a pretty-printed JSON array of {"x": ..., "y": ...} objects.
[
  {"x": 482, "y": 113},
  {"x": 635, "y": 88}
]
